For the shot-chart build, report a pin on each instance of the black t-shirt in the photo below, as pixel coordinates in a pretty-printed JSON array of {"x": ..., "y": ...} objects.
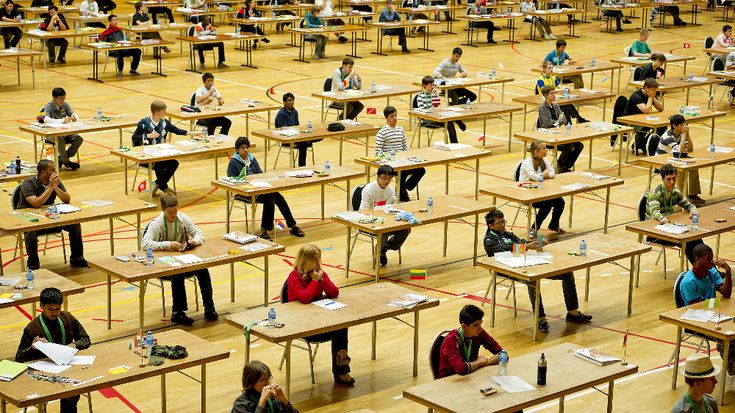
[
  {"x": 648, "y": 72},
  {"x": 56, "y": 24},
  {"x": 635, "y": 99},
  {"x": 138, "y": 17},
  {"x": 12, "y": 15},
  {"x": 33, "y": 187}
]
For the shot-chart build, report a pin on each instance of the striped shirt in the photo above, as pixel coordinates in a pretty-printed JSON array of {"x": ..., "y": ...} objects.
[{"x": 390, "y": 139}]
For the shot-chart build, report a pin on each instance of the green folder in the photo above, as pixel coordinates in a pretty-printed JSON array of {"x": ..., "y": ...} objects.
[{"x": 10, "y": 369}]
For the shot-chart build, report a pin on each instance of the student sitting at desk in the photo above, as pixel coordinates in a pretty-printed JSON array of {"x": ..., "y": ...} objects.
[
  {"x": 551, "y": 116},
  {"x": 309, "y": 282},
  {"x": 547, "y": 78},
  {"x": 478, "y": 8},
  {"x": 677, "y": 140},
  {"x": 106, "y": 6},
  {"x": 542, "y": 25},
  {"x": 53, "y": 326},
  {"x": 345, "y": 78},
  {"x": 153, "y": 130},
  {"x": 174, "y": 231},
  {"x": 53, "y": 23},
  {"x": 58, "y": 108},
  {"x": 426, "y": 99},
  {"x": 661, "y": 202},
  {"x": 460, "y": 350},
  {"x": 203, "y": 28},
  {"x": 289, "y": 116},
  {"x": 559, "y": 57},
  {"x": 259, "y": 395},
  {"x": 389, "y": 14},
  {"x": 613, "y": 14},
  {"x": 90, "y": 7},
  {"x": 700, "y": 375},
  {"x": 532, "y": 168},
  {"x": 140, "y": 18},
  {"x": 242, "y": 164},
  {"x": 723, "y": 41},
  {"x": 11, "y": 35},
  {"x": 497, "y": 239},
  {"x": 208, "y": 95},
  {"x": 114, "y": 34},
  {"x": 39, "y": 191},
  {"x": 312, "y": 21},
  {"x": 248, "y": 11},
  {"x": 671, "y": 9},
  {"x": 156, "y": 10},
  {"x": 653, "y": 70},
  {"x": 447, "y": 69},
  {"x": 640, "y": 48},
  {"x": 644, "y": 100},
  {"x": 390, "y": 139},
  {"x": 327, "y": 15}
]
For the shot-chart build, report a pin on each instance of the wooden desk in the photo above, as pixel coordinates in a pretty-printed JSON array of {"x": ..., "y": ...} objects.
[
  {"x": 119, "y": 46},
  {"x": 17, "y": 223},
  {"x": 8, "y": 177},
  {"x": 679, "y": 83},
  {"x": 365, "y": 304},
  {"x": 634, "y": 62},
  {"x": 552, "y": 188},
  {"x": 89, "y": 125},
  {"x": 707, "y": 227},
  {"x": 694, "y": 4},
  {"x": 246, "y": 38},
  {"x": 111, "y": 355},
  {"x": 710, "y": 51},
  {"x": 262, "y": 21},
  {"x": 190, "y": 150},
  {"x": 138, "y": 31},
  {"x": 318, "y": 132},
  {"x": 698, "y": 159},
  {"x": 280, "y": 182},
  {"x": 432, "y": 11},
  {"x": 38, "y": 10},
  {"x": 724, "y": 332},
  {"x": 509, "y": 18},
  {"x": 431, "y": 157},
  {"x": 580, "y": 132},
  {"x": 354, "y": 95},
  {"x": 43, "y": 279},
  {"x": 326, "y": 31},
  {"x": 571, "y": 374},
  {"x": 403, "y": 24},
  {"x": 81, "y": 21},
  {"x": 480, "y": 80},
  {"x": 446, "y": 208},
  {"x": 42, "y": 35},
  {"x": 576, "y": 97},
  {"x": 477, "y": 110},
  {"x": 632, "y": 8},
  {"x": 232, "y": 108},
  {"x": 656, "y": 120},
  {"x": 564, "y": 71},
  {"x": 546, "y": 14},
  {"x": 213, "y": 252},
  {"x": 601, "y": 249},
  {"x": 18, "y": 53}
]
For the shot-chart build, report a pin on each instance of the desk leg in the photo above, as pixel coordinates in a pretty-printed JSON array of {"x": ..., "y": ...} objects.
[
  {"x": 537, "y": 301},
  {"x": 712, "y": 132},
  {"x": 528, "y": 220},
  {"x": 227, "y": 211},
  {"x": 711, "y": 181},
  {"x": 163, "y": 393},
  {"x": 17, "y": 65},
  {"x": 247, "y": 348},
  {"x": 474, "y": 248},
  {"x": 349, "y": 247},
  {"x": 150, "y": 181},
  {"x": 561, "y": 404},
  {"x": 477, "y": 178},
  {"x": 607, "y": 207},
  {"x": 587, "y": 285},
  {"x": 322, "y": 193},
  {"x": 112, "y": 239},
  {"x": 589, "y": 162},
  {"x": 141, "y": 304},
  {"x": 620, "y": 154},
  {"x": 446, "y": 235},
  {"x": 510, "y": 128},
  {"x": 252, "y": 212},
  {"x": 341, "y": 144},
  {"x": 232, "y": 282},
  {"x": 630, "y": 284},
  {"x": 204, "y": 388},
  {"x": 675, "y": 369},
  {"x": 610, "y": 390},
  {"x": 35, "y": 149},
  {"x": 287, "y": 351},
  {"x": 374, "y": 340},
  {"x": 125, "y": 175},
  {"x": 446, "y": 179},
  {"x": 348, "y": 199},
  {"x": 266, "y": 272},
  {"x": 378, "y": 247},
  {"x": 3, "y": 406},
  {"x": 571, "y": 210},
  {"x": 650, "y": 175},
  {"x": 683, "y": 258},
  {"x": 717, "y": 250},
  {"x": 725, "y": 358},
  {"x": 638, "y": 265},
  {"x": 604, "y": 109},
  {"x": 95, "y": 66},
  {"x": 554, "y": 160},
  {"x": 494, "y": 286},
  {"x": 415, "y": 343},
  {"x": 109, "y": 302}
]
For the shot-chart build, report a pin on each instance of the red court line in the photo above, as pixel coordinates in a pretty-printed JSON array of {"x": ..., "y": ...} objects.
[
  {"x": 24, "y": 312},
  {"x": 111, "y": 393},
  {"x": 104, "y": 319}
]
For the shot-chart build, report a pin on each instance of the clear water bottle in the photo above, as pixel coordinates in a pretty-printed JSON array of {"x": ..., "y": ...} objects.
[
  {"x": 392, "y": 154},
  {"x": 582, "y": 248},
  {"x": 695, "y": 220},
  {"x": 681, "y": 110},
  {"x": 272, "y": 317},
  {"x": 540, "y": 180},
  {"x": 593, "y": 63},
  {"x": 309, "y": 127},
  {"x": 149, "y": 339},
  {"x": 54, "y": 212},
  {"x": 99, "y": 113},
  {"x": 430, "y": 205},
  {"x": 30, "y": 279},
  {"x": 502, "y": 363},
  {"x": 691, "y": 77},
  {"x": 149, "y": 258},
  {"x": 493, "y": 73},
  {"x": 468, "y": 104},
  {"x": 327, "y": 167},
  {"x": 372, "y": 87},
  {"x": 410, "y": 17},
  {"x": 712, "y": 151},
  {"x": 569, "y": 127}
]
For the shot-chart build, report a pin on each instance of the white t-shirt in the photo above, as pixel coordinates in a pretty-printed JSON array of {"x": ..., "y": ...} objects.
[
  {"x": 86, "y": 5},
  {"x": 202, "y": 91},
  {"x": 373, "y": 195},
  {"x": 327, "y": 10}
]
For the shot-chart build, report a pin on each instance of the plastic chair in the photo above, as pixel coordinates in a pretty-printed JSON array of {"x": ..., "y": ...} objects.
[
  {"x": 435, "y": 353},
  {"x": 327, "y": 87},
  {"x": 191, "y": 32},
  {"x": 642, "y": 206},
  {"x": 308, "y": 38},
  {"x": 619, "y": 110},
  {"x": 688, "y": 335},
  {"x": 14, "y": 201},
  {"x": 356, "y": 201},
  {"x": 708, "y": 43}
]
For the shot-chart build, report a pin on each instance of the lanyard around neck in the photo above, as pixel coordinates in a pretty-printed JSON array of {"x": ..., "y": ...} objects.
[
  {"x": 48, "y": 334},
  {"x": 467, "y": 347},
  {"x": 271, "y": 407}
]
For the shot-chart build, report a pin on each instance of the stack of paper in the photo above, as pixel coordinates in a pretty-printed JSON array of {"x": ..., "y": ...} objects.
[
  {"x": 301, "y": 173},
  {"x": 97, "y": 202},
  {"x": 286, "y": 132},
  {"x": 672, "y": 228},
  {"x": 66, "y": 208},
  {"x": 703, "y": 316},
  {"x": 10, "y": 369},
  {"x": 450, "y": 146},
  {"x": 512, "y": 384},
  {"x": 56, "y": 352},
  {"x": 351, "y": 216},
  {"x": 595, "y": 356},
  {"x": 240, "y": 237},
  {"x": 520, "y": 261},
  {"x": 407, "y": 300},
  {"x": 594, "y": 175},
  {"x": 575, "y": 186},
  {"x": 188, "y": 258},
  {"x": 329, "y": 304},
  {"x": 255, "y": 246}
]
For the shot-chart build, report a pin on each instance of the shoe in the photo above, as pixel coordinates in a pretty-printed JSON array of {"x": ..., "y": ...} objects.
[
  {"x": 543, "y": 325},
  {"x": 696, "y": 200},
  {"x": 169, "y": 191},
  {"x": 461, "y": 125},
  {"x": 182, "y": 318},
  {"x": 342, "y": 39},
  {"x": 403, "y": 197},
  {"x": 565, "y": 170},
  {"x": 296, "y": 231},
  {"x": 119, "y": 73},
  {"x": 344, "y": 379},
  {"x": 421, "y": 30},
  {"x": 211, "y": 315},
  {"x": 134, "y": 73},
  {"x": 582, "y": 120},
  {"x": 80, "y": 263},
  {"x": 33, "y": 267},
  {"x": 626, "y": 21},
  {"x": 383, "y": 258},
  {"x": 72, "y": 165},
  {"x": 552, "y": 37},
  {"x": 532, "y": 233},
  {"x": 255, "y": 44},
  {"x": 154, "y": 189},
  {"x": 266, "y": 40},
  {"x": 166, "y": 50},
  {"x": 51, "y": 62},
  {"x": 580, "y": 318},
  {"x": 559, "y": 230},
  {"x": 62, "y": 60},
  {"x": 201, "y": 66},
  {"x": 491, "y": 41},
  {"x": 619, "y": 29},
  {"x": 222, "y": 65},
  {"x": 730, "y": 98},
  {"x": 264, "y": 235},
  {"x": 405, "y": 50},
  {"x": 545, "y": 36}
]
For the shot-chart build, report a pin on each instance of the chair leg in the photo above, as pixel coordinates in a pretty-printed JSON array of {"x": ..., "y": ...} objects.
[
  {"x": 89, "y": 402},
  {"x": 196, "y": 293},
  {"x": 135, "y": 178},
  {"x": 278, "y": 154},
  {"x": 515, "y": 307},
  {"x": 313, "y": 158},
  {"x": 400, "y": 257},
  {"x": 352, "y": 249},
  {"x": 163, "y": 299},
  {"x": 45, "y": 245},
  {"x": 283, "y": 358},
  {"x": 372, "y": 249},
  {"x": 312, "y": 356}
]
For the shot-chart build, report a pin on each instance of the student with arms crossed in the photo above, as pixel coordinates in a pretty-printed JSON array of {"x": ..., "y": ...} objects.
[
  {"x": 289, "y": 116},
  {"x": 243, "y": 163},
  {"x": 341, "y": 78},
  {"x": 208, "y": 95},
  {"x": 58, "y": 108},
  {"x": 551, "y": 116},
  {"x": 559, "y": 57},
  {"x": 700, "y": 375},
  {"x": 174, "y": 231},
  {"x": 114, "y": 34},
  {"x": 677, "y": 140},
  {"x": 53, "y": 326},
  {"x": 53, "y": 23},
  {"x": 460, "y": 351},
  {"x": 259, "y": 395},
  {"x": 391, "y": 138}
]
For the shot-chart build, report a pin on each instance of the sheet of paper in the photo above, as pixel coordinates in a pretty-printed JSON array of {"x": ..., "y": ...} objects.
[
  {"x": 723, "y": 149},
  {"x": 9, "y": 281},
  {"x": 97, "y": 202},
  {"x": 56, "y": 352},
  {"x": 165, "y": 146},
  {"x": 254, "y": 246},
  {"x": 260, "y": 184},
  {"x": 697, "y": 315},
  {"x": 353, "y": 216},
  {"x": 672, "y": 228},
  {"x": 575, "y": 186},
  {"x": 82, "y": 360},
  {"x": 286, "y": 132},
  {"x": 512, "y": 384},
  {"x": 188, "y": 258},
  {"x": 329, "y": 304},
  {"x": 48, "y": 367},
  {"x": 66, "y": 208},
  {"x": 300, "y": 172},
  {"x": 169, "y": 260},
  {"x": 187, "y": 142},
  {"x": 518, "y": 261},
  {"x": 594, "y": 175}
]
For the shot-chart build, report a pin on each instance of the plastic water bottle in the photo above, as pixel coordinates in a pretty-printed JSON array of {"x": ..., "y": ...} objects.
[
  {"x": 54, "y": 212},
  {"x": 540, "y": 180},
  {"x": 493, "y": 73},
  {"x": 410, "y": 17},
  {"x": 17, "y": 164},
  {"x": 712, "y": 151},
  {"x": 149, "y": 339},
  {"x": 392, "y": 154},
  {"x": 695, "y": 220},
  {"x": 149, "y": 258},
  {"x": 30, "y": 279},
  {"x": 468, "y": 104},
  {"x": 502, "y": 363},
  {"x": 681, "y": 110},
  {"x": 430, "y": 205},
  {"x": 272, "y": 317},
  {"x": 582, "y": 248},
  {"x": 593, "y": 63},
  {"x": 541, "y": 372},
  {"x": 327, "y": 167},
  {"x": 691, "y": 77},
  {"x": 99, "y": 112},
  {"x": 569, "y": 127},
  {"x": 372, "y": 87},
  {"x": 309, "y": 127}
]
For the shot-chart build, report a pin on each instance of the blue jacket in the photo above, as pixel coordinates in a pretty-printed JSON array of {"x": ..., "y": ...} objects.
[
  {"x": 145, "y": 126},
  {"x": 286, "y": 118}
]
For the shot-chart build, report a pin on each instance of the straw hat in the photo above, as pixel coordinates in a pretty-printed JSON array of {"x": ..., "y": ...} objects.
[{"x": 699, "y": 366}]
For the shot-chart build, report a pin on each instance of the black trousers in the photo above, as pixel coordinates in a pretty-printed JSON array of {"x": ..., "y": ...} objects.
[
  {"x": 568, "y": 154},
  {"x": 339, "y": 342},
  {"x": 394, "y": 240},
  {"x": 12, "y": 36},
  {"x": 303, "y": 148},
  {"x": 106, "y": 6},
  {"x": 75, "y": 243},
  {"x": 570, "y": 112},
  {"x": 69, "y": 405},
  {"x": 161, "y": 10},
  {"x": 220, "y": 51},
  {"x": 459, "y": 96},
  {"x": 270, "y": 202},
  {"x": 485, "y": 25},
  {"x": 122, "y": 54},
  {"x": 409, "y": 181},
  {"x": 250, "y": 28},
  {"x": 178, "y": 290},
  {"x": 569, "y": 288},
  {"x": 543, "y": 209},
  {"x": 352, "y": 109},
  {"x": 688, "y": 251},
  {"x": 213, "y": 123},
  {"x": 164, "y": 171},
  {"x": 614, "y": 14},
  {"x": 451, "y": 130},
  {"x": 51, "y": 45},
  {"x": 401, "y": 33}
]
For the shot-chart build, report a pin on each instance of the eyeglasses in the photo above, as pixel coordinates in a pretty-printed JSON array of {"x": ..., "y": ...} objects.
[
  {"x": 385, "y": 178},
  {"x": 499, "y": 222}
]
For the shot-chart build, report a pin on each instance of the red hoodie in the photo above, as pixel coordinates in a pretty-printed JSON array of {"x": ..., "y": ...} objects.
[
  {"x": 311, "y": 290},
  {"x": 108, "y": 31}
]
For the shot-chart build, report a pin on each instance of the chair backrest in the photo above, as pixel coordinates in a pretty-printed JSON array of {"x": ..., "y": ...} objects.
[
  {"x": 284, "y": 292},
  {"x": 638, "y": 73},
  {"x": 538, "y": 122},
  {"x": 517, "y": 174},
  {"x": 708, "y": 42},
  {"x": 15, "y": 199},
  {"x": 652, "y": 143},
  {"x": 327, "y": 84},
  {"x": 302, "y": 23},
  {"x": 678, "y": 299},
  {"x": 193, "y": 100},
  {"x": 415, "y": 101},
  {"x": 619, "y": 109},
  {"x": 357, "y": 197},
  {"x": 718, "y": 64},
  {"x": 435, "y": 353},
  {"x": 642, "y": 207},
  {"x": 627, "y": 51},
  {"x": 190, "y": 30}
]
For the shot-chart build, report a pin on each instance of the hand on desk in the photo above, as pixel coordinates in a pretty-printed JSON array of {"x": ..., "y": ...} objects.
[
  {"x": 664, "y": 220},
  {"x": 175, "y": 246}
]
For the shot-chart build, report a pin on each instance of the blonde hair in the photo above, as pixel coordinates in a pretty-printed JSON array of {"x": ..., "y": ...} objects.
[
  {"x": 316, "y": 9},
  {"x": 545, "y": 64},
  {"x": 644, "y": 32},
  {"x": 168, "y": 200},
  {"x": 307, "y": 258},
  {"x": 536, "y": 145}
]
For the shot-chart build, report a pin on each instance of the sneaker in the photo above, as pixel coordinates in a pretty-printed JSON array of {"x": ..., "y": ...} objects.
[
  {"x": 552, "y": 37},
  {"x": 222, "y": 65},
  {"x": 255, "y": 44},
  {"x": 579, "y": 318},
  {"x": 619, "y": 29},
  {"x": 182, "y": 318},
  {"x": 264, "y": 235},
  {"x": 52, "y": 61},
  {"x": 383, "y": 258},
  {"x": 532, "y": 234},
  {"x": 80, "y": 263},
  {"x": 266, "y": 40},
  {"x": 296, "y": 231},
  {"x": 62, "y": 60},
  {"x": 166, "y": 50},
  {"x": 169, "y": 191},
  {"x": 626, "y": 21},
  {"x": 582, "y": 120},
  {"x": 134, "y": 73},
  {"x": 342, "y": 39},
  {"x": 491, "y": 41},
  {"x": 72, "y": 165},
  {"x": 211, "y": 315},
  {"x": 730, "y": 98},
  {"x": 405, "y": 50},
  {"x": 119, "y": 73},
  {"x": 461, "y": 125},
  {"x": 543, "y": 325},
  {"x": 344, "y": 379},
  {"x": 546, "y": 36},
  {"x": 154, "y": 189}
]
